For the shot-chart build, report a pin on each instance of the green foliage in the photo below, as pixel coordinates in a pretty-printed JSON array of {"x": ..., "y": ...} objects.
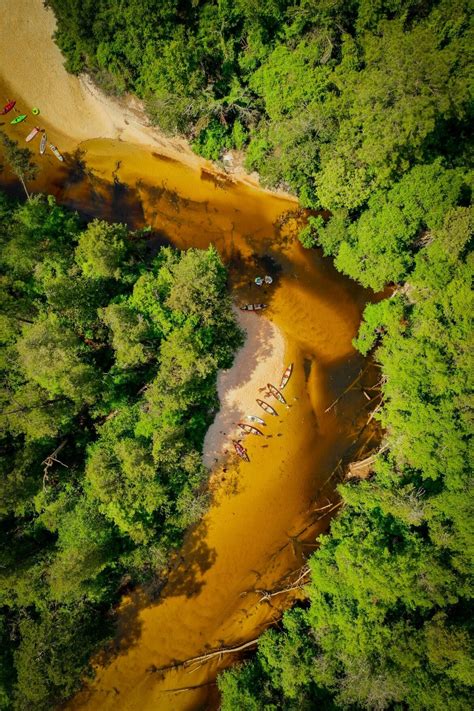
[
  {"x": 19, "y": 160},
  {"x": 389, "y": 622},
  {"x": 363, "y": 109},
  {"x": 54, "y": 648},
  {"x": 101, "y": 250},
  {"x": 212, "y": 140},
  {"x": 308, "y": 236},
  {"x": 109, "y": 371},
  {"x": 378, "y": 247}
]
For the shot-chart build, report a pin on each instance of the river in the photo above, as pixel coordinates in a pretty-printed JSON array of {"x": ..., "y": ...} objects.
[{"x": 264, "y": 516}]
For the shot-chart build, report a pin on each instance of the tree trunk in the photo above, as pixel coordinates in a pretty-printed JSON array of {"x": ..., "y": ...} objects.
[{"x": 24, "y": 186}]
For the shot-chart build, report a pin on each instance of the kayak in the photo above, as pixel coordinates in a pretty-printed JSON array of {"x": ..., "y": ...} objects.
[
  {"x": 8, "y": 107},
  {"x": 276, "y": 393},
  {"x": 56, "y": 152},
  {"x": 32, "y": 134},
  {"x": 254, "y": 418},
  {"x": 241, "y": 451},
  {"x": 253, "y": 307},
  {"x": 268, "y": 408},
  {"x": 18, "y": 119},
  {"x": 286, "y": 376},
  {"x": 250, "y": 429},
  {"x": 43, "y": 143}
]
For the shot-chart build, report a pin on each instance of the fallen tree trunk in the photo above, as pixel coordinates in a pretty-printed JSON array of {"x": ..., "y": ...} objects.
[
  {"x": 349, "y": 387},
  {"x": 205, "y": 657},
  {"x": 355, "y": 469}
]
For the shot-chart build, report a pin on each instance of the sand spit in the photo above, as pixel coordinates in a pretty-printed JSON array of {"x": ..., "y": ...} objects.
[{"x": 259, "y": 361}]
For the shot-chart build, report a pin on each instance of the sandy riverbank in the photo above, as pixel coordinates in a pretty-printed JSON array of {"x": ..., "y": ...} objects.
[
  {"x": 259, "y": 361},
  {"x": 264, "y": 516},
  {"x": 73, "y": 109}
]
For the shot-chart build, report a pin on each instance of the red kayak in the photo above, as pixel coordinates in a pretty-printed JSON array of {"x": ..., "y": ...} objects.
[
  {"x": 8, "y": 107},
  {"x": 241, "y": 451}
]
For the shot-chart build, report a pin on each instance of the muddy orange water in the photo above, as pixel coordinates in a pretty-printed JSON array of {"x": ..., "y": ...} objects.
[{"x": 264, "y": 515}]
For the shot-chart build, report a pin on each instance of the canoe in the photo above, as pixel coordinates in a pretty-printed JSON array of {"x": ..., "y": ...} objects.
[
  {"x": 43, "y": 143},
  {"x": 250, "y": 429},
  {"x": 276, "y": 393},
  {"x": 286, "y": 376},
  {"x": 32, "y": 134},
  {"x": 8, "y": 107},
  {"x": 56, "y": 152},
  {"x": 241, "y": 451},
  {"x": 254, "y": 418},
  {"x": 253, "y": 307},
  {"x": 268, "y": 408},
  {"x": 18, "y": 119}
]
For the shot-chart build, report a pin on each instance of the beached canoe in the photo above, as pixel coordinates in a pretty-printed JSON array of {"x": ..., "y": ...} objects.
[
  {"x": 268, "y": 408},
  {"x": 56, "y": 152},
  {"x": 8, "y": 107},
  {"x": 241, "y": 451},
  {"x": 253, "y": 307},
  {"x": 254, "y": 418},
  {"x": 18, "y": 119},
  {"x": 32, "y": 134},
  {"x": 276, "y": 393},
  {"x": 43, "y": 141},
  {"x": 286, "y": 376},
  {"x": 249, "y": 429}
]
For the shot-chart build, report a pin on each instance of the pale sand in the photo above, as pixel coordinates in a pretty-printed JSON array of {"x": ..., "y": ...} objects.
[
  {"x": 33, "y": 73},
  {"x": 258, "y": 362},
  {"x": 72, "y": 108}
]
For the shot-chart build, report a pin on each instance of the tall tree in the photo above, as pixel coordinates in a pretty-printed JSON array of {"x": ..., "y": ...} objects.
[{"x": 19, "y": 160}]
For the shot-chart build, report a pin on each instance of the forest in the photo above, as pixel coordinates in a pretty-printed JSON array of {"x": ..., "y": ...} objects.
[
  {"x": 362, "y": 109},
  {"x": 110, "y": 351}
]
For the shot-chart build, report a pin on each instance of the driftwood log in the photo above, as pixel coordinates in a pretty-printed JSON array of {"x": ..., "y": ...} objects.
[{"x": 202, "y": 658}]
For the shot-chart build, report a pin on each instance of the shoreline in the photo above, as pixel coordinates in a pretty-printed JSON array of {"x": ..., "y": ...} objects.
[
  {"x": 73, "y": 109},
  {"x": 260, "y": 360}
]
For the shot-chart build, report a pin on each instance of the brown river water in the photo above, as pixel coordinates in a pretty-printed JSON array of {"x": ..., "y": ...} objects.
[{"x": 265, "y": 515}]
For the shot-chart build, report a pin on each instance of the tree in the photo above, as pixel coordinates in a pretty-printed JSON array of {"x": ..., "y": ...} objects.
[
  {"x": 19, "y": 160},
  {"x": 101, "y": 250}
]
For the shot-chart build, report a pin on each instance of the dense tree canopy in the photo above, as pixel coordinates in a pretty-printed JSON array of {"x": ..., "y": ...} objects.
[
  {"x": 109, "y": 362},
  {"x": 362, "y": 109},
  {"x": 335, "y": 100},
  {"x": 390, "y": 615}
]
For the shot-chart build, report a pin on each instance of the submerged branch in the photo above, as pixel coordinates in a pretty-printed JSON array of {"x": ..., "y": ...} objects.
[
  {"x": 205, "y": 657},
  {"x": 349, "y": 387}
]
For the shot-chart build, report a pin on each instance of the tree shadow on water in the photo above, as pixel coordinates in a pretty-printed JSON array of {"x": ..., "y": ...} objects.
[
  {"x": 183, "y": 577},
  {"x": 191, "y": 562}
]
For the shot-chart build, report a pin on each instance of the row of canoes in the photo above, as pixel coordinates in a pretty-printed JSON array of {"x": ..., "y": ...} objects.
[
  {"x": 34, "y": 132},
  {"x": 266, "y": 407}
]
